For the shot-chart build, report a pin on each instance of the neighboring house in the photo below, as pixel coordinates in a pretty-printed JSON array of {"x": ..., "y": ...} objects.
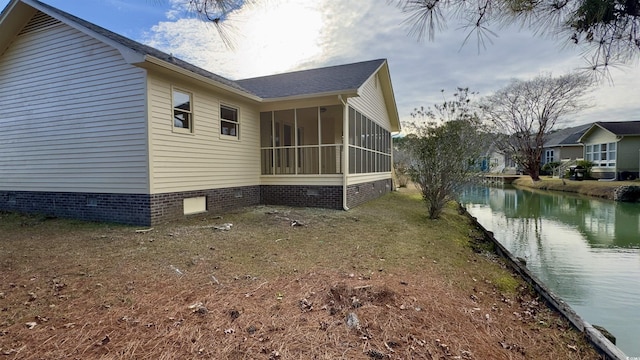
[
  {"x": 494, "y": 161},
  {"x": 100, "y": 127},
  {"x": 613, "y": 148},
  {"x": 498, "y": 161},
  {"x": 562, "y": 145}
]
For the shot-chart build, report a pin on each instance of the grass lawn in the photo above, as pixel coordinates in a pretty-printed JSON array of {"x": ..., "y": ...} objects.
[
  {"x": 601, "y": 189},
  {"x": 410, "y": 287}
]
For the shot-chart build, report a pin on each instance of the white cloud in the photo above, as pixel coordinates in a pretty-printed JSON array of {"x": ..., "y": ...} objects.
[
  {"x": 277, "y": 36},
  {"x": 266, "y": 40}
]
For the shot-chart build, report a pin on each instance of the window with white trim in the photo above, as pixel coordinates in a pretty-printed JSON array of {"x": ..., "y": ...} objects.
[
  {"x": 548, "y": 156},
  {"x": 182, "y": 111},
  {"x": 601, "y": 155},
  {"x": 229, "y": 124}
]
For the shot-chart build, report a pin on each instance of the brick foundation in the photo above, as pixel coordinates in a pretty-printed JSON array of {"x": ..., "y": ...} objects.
[
  {"x": 329, "y": 197},
  {"x": 146, "y": 210},
  {"x": 130, "y": 209},
  {"x": 361, "y": 193},
  {"x": 169, "y": 207}
]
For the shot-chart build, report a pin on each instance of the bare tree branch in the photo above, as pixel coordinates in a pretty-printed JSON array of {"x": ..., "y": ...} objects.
[{"x": 526, "y": 111}]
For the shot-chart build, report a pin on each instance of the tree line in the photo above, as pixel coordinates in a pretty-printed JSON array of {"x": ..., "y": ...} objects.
[{"x": 446, "y": 143}]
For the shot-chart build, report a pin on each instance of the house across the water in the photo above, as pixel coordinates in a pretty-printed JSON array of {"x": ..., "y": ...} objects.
[
  {"x": 614, "y": 149},
  {"x": 100, "y": 127}
]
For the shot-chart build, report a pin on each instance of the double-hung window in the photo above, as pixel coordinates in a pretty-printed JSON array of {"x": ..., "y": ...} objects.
[
  {"x": 182, "y": 111},
  {"x": 229, "y": 123}
]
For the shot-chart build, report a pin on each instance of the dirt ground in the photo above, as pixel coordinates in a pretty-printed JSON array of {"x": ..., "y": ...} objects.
[{"x": 378, "y": 282}]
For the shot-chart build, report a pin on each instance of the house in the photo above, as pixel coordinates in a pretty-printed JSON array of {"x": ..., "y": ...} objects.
[
  {"x": 562, "y": 145},
  {"x": 100, "y": 127},
  {"x": 614, "y": 149},
  {"x": 496, "y": 159}
]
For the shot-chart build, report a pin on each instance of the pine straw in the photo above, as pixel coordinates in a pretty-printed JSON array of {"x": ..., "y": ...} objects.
[
  {"x": 402, "y": 316},
  {"x": 114, "y": 297}
]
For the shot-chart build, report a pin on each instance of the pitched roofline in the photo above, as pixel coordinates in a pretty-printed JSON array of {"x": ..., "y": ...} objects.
[
  {"x": 134, "y": 56},
  {"x": 142, "y": 55},
  {"x": 598, "y": 124},
  {"x": 389, "y": 96},
  {"x": 129, "y": 54},
  {"x": 180, "y": 70},
  {"x": 11, "y": 25}
]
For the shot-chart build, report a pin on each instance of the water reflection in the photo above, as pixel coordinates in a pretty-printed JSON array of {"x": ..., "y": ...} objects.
[
  {"x": 586, "y": 250},
  {"x": 602, "y": 222}
]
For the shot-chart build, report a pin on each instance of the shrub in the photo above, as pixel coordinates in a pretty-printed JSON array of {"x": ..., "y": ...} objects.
[
  {"x": 587, "y": 165},
  {"x": 550, "y": 167}
]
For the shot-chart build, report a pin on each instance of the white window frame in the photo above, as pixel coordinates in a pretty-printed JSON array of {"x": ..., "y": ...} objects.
[
  {"x": 602, "y": 155},
  {"x": 547, "y": 158},
  {"x": 189, "y": 112},
  {"x": 229, "y": 134}
]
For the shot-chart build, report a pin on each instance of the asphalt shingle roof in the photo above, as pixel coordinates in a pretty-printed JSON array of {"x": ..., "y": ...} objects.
[
  {"x": 621, "y": 127},
  {"x": 299, "y": 83},
  {"x": 568, "y": 136},
  {"x": 315, "y": 81}
]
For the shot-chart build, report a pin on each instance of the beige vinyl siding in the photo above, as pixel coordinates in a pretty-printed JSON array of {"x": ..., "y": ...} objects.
[
  {"x": 628, "y": 156},
  {"x": 74, "y": 114},
  {"x": 371, "y": 103},
  {"x": 600, "y": 136},
  {"x": 569, "y": 152},
  {"x": 203, "y": 159}
]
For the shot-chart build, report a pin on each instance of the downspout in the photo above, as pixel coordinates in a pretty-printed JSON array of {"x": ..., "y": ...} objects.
[{"x": 345, "y": 151}]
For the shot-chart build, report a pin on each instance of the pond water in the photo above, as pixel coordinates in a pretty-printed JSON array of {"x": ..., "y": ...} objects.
[{"x": 585, "y": 250}]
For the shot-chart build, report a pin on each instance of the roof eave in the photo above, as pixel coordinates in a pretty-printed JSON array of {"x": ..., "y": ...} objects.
[
  {"x": 345, "y": 93},
  {"x": 587, "y": 133},
  {"x": 182, "y": 71},
  {"x": 128, "y": 54},
  {"x": 11, "y": 25},
  {"x": 389, "y": 96}
]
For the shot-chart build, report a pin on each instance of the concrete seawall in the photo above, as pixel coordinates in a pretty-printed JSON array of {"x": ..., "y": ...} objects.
[{"x": 599, "y": 341}]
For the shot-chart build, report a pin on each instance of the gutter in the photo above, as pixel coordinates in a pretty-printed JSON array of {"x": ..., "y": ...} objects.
[{"x": 345, "y": 152}]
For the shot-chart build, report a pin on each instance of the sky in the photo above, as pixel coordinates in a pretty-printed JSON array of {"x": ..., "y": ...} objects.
[{"x": 275, "y": 36}]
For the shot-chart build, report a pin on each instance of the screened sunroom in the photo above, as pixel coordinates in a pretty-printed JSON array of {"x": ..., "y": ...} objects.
[{"x": 309, "y": 141}]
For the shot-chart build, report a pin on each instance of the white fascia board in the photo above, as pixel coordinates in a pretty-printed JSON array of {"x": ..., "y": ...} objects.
[
  {"x": 345, "y": 93},
  {"x": 128, "y": 54}
]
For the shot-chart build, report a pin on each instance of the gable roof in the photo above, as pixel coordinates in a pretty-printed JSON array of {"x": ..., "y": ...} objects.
[
  {"x": 327, "y": 80},
  {"x": 127, "y": 47},
  {"x": 334, "y": 80},
  {"x": 621, "y": 127},
  {"x": 618, "y": 128},
  {"x": 345, "y": 79},
  {"x": 566, "y": 137}
]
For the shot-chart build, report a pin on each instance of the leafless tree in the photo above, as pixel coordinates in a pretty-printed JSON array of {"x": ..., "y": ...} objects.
[{"x": 526, "y": 111}]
